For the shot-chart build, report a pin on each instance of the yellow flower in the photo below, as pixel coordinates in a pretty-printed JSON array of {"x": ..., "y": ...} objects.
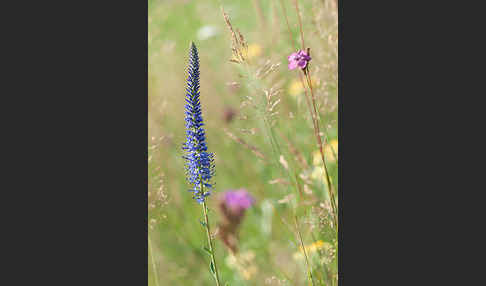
[
  {"x": 329, "y": 155},
  {"x": 254, "y": 51},
  {"x": 316, "y": 158},
  {"x": 312, "y": 248},
  {"x": 319, "y": 174},
  {"x": 331, "y": 151},
  {"x": 249, "y": 272},
  {"x": 296, "y": 87},
  {"x": 315, "y": 246}
]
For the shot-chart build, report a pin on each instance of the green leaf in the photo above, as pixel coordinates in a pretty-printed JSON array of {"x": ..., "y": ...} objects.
[
  {"x": 211, "y": 266},
  {"x": 202, "y": 223}
]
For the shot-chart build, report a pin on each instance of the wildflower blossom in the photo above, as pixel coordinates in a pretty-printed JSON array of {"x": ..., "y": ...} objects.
[
  {"x": 199, "y": 163},
  {"x": 319, "y": 173},
  {"x": 238, "y": 201},
  {"x": 254, "y": 51},
  {"x": 296, "y": 87},
  {"x": 330, "y": 153},
  {"x": 233, "y": 205},
  {"x": 313, "y": 248},
  {"x": 299, "y": 59}
]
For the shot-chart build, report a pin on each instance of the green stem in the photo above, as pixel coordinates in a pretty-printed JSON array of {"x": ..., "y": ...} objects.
[
  {"x": 309, "y": 270},
  {"x": 153, "y": 262},
  {"x": 210, "y": 241}
]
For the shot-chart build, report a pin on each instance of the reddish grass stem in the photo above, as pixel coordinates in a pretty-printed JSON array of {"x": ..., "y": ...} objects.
[
  {"x": 288, "y": 25},
  {"x": 261, "y": 17},
  {"x": 300, "y": 23},
  {"x": 319, "y": 142}
]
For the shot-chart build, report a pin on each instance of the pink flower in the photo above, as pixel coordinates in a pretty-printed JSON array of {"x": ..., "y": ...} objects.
[
  {"x": 233, "y": 204},
  {"x": 299, "y": 59},
  {"x": 238, "y": 200}
]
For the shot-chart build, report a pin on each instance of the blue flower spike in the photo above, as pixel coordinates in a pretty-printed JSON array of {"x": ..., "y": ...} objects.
[{"x": 199, "y": 163}]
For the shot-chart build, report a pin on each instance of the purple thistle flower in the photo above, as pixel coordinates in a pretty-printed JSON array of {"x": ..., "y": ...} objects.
[
  {"x": 233, "y": 205},
  {"x": 299, "y": 59},
  {"x": 199, "y": 163},
  {"x": 238, "y": 200}
]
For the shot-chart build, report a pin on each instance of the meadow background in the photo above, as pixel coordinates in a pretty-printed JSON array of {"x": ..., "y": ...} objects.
[{"x": 285, "y": 176}]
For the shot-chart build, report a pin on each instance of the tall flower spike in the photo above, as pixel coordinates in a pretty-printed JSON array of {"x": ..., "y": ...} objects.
[{"x": 199, "y": 163}]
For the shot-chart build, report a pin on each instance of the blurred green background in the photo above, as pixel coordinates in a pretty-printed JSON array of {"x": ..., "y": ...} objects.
[{"x": 267, "y": 238}]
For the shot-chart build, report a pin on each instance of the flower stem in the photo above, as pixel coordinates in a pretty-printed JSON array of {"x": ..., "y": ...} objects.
[
  {"x": 319, "y": 142},
  {"x": 210, "y": 241},
  {"x": 309, "y": 270},
  {"x": 300, "y": 23},
  {"x": 156, "y": 276},
  {"x": 288, "y": 25}
]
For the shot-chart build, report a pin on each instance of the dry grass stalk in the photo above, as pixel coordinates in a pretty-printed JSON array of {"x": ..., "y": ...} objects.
[
  {"x": 239, "y": 46},
  {"x": 254, "y": 149},
  {"x": 294, "y": 151},
  {"x": 279, "y": 181}
]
